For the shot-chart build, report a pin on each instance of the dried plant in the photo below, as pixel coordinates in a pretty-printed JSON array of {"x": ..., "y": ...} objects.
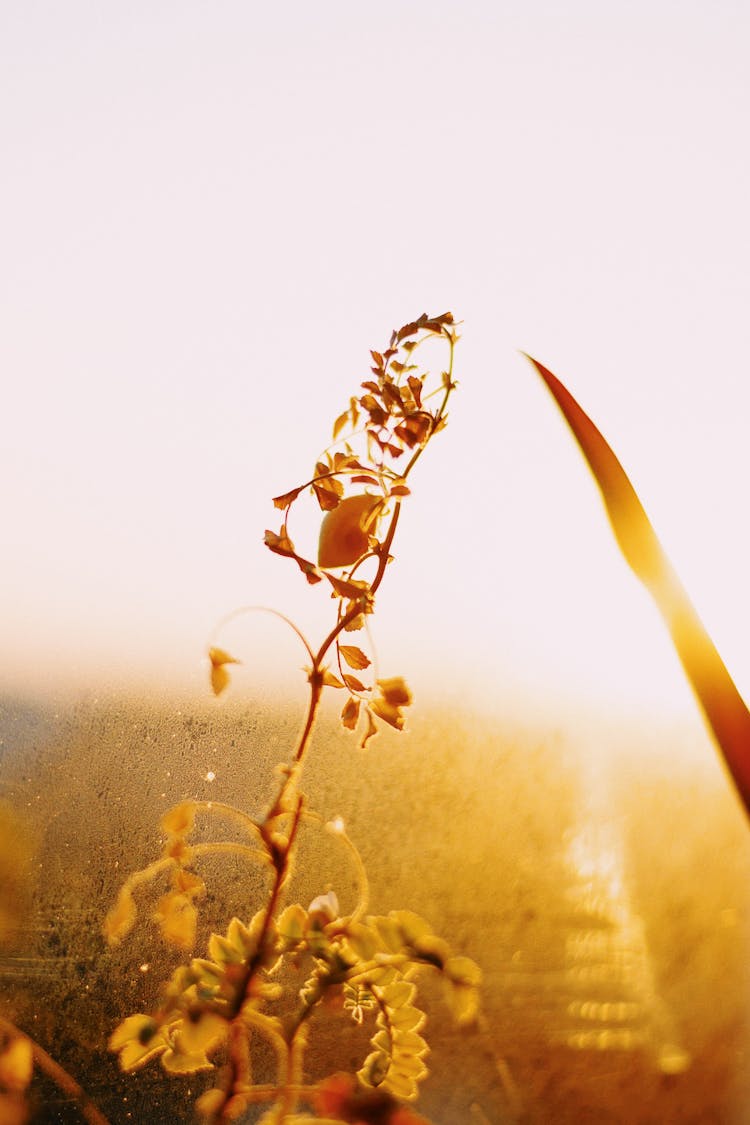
[{"x": 265, "y": 976}]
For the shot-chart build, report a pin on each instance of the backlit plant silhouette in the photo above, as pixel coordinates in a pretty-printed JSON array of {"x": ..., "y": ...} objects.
[{"x": 265, "y": 976}]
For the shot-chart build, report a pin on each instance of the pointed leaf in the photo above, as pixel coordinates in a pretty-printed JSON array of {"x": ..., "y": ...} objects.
[
  {"x": 353, "y": 683},
  {"x": 723, "y": 706},
  {"x": 354, "y": 657},
  {"x": 371, "y": 731},
  {"x": 345, "y": 531},
  {"x": 350, "y": 714},
  {"x": 286, "y": 499}
]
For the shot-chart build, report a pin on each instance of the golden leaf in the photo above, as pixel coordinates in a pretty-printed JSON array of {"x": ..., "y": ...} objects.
[
  {"x": 345, "y": 531},
  {"x": 330, "y": 680},
  {"x": 388, "y": 713},
  {"x": 292, "y": 923},
  {"x": 354, "y": 657},
  {"x": 281, "y": 544},
  {"x": 350, "y": 714},
  {"x": 463, "y": 1001},
  {"x": 175, "y": 1062},
  {"x": 415, "y": 386},
  {"x": 200, "y": 1032},
  {"x": 16, "y": 1065},
  {"x": 462, "y": 970},
  {"x": 353, "y": 683},
  {"x": 137, "y": 1039},
  {"x": 350, "y": 588},
  {"x": 219, "y": 675},
  {"x": 121, "y": 918},
  {"x": 219, "y": 679},
  {"x": 328, "y": 491},
  {"x": 287, "y": 498},
  {"x": 395, "y": 691},
  {"x": 371, "y": 731},
  {"x": 177, "y": 920},
  {"x": 339, "y": 424}
]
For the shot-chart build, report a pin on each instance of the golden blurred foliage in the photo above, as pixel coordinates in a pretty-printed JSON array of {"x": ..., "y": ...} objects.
[{"x": 17, "y": 850}]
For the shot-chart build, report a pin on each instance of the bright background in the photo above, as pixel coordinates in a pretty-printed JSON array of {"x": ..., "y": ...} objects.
[{"x": 210, "y": 212}]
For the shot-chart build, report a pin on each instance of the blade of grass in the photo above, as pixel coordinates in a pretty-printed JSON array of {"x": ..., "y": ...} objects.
[{"x": 724, "y": 709}]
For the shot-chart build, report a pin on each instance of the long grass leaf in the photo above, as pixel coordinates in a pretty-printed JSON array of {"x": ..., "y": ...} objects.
[{"x": 724, "y": 709}]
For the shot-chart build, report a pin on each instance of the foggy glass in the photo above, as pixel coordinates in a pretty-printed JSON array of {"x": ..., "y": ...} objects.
[{"x": 606, "y": 904}]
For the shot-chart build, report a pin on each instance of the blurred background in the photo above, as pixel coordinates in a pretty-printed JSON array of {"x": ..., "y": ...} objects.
[{"x": 211, "y": 213}]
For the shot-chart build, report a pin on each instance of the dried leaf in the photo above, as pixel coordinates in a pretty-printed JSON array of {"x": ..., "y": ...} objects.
[
  {"x": 394, "y": 695},
  {"x": 292, "y": 924},
  {"x": 386, "y": 446},
  {"x": 281, "y": 544},
  {"x": 177, "y": 920},
  {"x": 371, "y": 730},
  {"x": 16, "y": 1065},
  {"x": 330, "y": 680},
  {"x": 391, "y": 395},
  {"x": 286, "y": 499},
  {"x": 350, "y": 588},
  {"x": 219, "y": 674},
  {"x": 199, "y": 1033},
  {"x": 220, "y": 679},
  {"x": 395, "y": 691},
  {"x": 345, "y": 531},
  {"x": 137, "y": 1039},
  {"x": 354, "y": 657},
  {"x": 340, "y": 423},
  {"x": 350, "y": 714},
  {"x": 328, "y": 490},
  {"x": 415, "y": 386},
  {"x": 121, "y": 918},
  {"x": 328, "y": 498},
  {"x": 219, "y": 656},
  {"x": 415, "y": 429},
  {"x": 175, "y": 1062},
  {"x": 353, "y": 683},
  {"x": 343, "y": 461}
]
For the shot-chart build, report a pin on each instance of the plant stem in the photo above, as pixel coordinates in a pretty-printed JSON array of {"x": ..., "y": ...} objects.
[{"x": 58, "y": 1074}]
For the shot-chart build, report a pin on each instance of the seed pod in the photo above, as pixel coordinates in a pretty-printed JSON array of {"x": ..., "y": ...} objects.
[{"x": 345, "y": 531}]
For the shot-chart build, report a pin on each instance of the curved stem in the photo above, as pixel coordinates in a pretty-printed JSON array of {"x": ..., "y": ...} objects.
[
  {"x": 229, "y": 846},
  {"x": 282, "y": 864},
  {"x": 64, "y": 1081},
  {"x": 245, "y": 609},
  {"x": 336, "y": 828},
  {"x": 231, "y": 812}
]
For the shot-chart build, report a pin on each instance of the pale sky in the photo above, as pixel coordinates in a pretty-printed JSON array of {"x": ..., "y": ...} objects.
[{"x": 210, "y": 212}]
